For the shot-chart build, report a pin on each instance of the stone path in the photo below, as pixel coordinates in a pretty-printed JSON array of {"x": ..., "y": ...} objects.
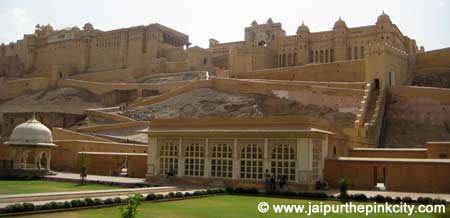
[{"x": 75, "y": 177}]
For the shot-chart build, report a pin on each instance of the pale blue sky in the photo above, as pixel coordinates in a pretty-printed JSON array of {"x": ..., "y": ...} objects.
[{"x": 426, "y": 21}]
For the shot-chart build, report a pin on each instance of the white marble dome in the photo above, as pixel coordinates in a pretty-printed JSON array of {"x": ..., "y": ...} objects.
[{"x": 32, "y": 132}]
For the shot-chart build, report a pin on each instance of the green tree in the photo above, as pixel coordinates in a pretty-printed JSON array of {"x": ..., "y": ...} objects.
[
  {"x": 83, "y": 167},
  {"x": 130, "y": 210},
  {"x": 343, "y": 188}
]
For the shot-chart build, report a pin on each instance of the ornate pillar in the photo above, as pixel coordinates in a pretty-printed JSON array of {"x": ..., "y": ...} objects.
[
  {"x": 180, "y": 158},
  {"x": 236, "y": 160},
  {"x": 49, "y": 157},
  {"x": 207, "y": 165},
  {"x": 266, "y": 160}
]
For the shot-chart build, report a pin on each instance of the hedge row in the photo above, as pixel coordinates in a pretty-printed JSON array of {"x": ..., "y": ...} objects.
[
  {"x": 355, "y": 197},
  {"x": 26, "y": 207}
]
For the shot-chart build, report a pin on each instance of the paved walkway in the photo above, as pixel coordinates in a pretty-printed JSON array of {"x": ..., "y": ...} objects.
[{"x": 63, "y": 176}]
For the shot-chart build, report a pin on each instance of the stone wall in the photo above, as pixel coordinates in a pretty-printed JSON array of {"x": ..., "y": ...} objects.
[
  {"x": 49, "y": 119},
  {"x": 65, "y": 156},
  {"x": 346, "y": 71},
  {"x": 416, "y": 115},
  {"x": 388, "y": 153},
  {"x": 433, "y": 69},
  {"x": 405, "y": 175}
]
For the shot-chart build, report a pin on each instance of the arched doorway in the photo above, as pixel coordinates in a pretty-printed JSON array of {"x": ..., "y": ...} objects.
[{"x": 262, "y": 43}]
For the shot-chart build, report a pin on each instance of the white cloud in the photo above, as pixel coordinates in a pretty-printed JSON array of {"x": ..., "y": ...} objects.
[{"x": 14, "y": 24}]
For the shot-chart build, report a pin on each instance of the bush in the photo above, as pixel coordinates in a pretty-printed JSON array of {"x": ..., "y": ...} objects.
[
  {"x": 407, "y": 200},
  {"x": 14, "y": 208},
  {"x": 198, "y": 193},
  {"x": 109, "y": 201},
  {"x": 89, "y": 201},
  {"x": 229, "y": 189},
  {"x": 54, "y": 205},
  {"x": 67, "y": 204},
  {"x": 171, "y": 195},
  {"x": 117, "y": 200},
  {"x": 358, "y": 197},
  {"x": 46, "y": 206},
  {"x": 76, "y": 203},
  {"x": 28, "y": 207},
  {"x": 178, "y": 194},
  {"x": 439, "y": 201},
  {"x": 318, "y": 195},
  {"x": 159, "y": 196},
  {"x": 424, "y": 200},
  {"x": 151, "y": 197},
  {"x": 99, "y": 201},
  {"x": 389, "y": 199},
  {"x": 397, "y": 200},
  {"x": 379, "y": 198},
  {"x": 343, "y": 189},
  {"x": 187, "y": 194},
  {"x": 215, "y": 190}
]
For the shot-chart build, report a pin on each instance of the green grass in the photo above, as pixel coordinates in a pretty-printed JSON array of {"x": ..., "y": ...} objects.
[
  {"x": 226, "y": 206},
  {"x": 8, "y": 187}
]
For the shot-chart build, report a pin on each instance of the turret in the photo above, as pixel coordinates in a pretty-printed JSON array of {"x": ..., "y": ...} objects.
[{"x": 339, "y": 53}]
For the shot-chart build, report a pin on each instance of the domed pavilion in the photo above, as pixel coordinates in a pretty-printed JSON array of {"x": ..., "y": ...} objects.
[{"x": 31, "y": 144}]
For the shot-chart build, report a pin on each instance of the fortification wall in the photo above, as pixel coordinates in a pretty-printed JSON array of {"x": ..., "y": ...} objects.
[
  {"x": 416, "y": 115},
  {"x": 14, "y": 88},
  {"x": 101, "y": 88},
  {"x": 346, "y": 71},
  {"x": 341, "y": 99},
  {"x": 64, "y": 134},
  {"x": 133, "y": 73},
  {"x": 432, "y": 68},
  {"x": 433, "y": 61}
]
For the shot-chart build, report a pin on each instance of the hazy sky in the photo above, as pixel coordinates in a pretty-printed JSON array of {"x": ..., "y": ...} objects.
[{"x": 427, "y": 21}]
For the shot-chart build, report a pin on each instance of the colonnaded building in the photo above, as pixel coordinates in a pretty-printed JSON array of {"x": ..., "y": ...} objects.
[{"x": 365, "y": 103}]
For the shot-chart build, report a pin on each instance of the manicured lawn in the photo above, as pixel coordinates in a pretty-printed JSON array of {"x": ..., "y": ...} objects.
[
  {"x": 226, "y": 206},
  {"x": 8, "y": 187}
]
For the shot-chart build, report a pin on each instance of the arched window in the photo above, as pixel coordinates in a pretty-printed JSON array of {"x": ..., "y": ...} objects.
[
  {"x": 195, "y": 160},
  {"x": 362, "y": 52},
  {"x": 295, "y": 59},
  {"x": 283, "y": 160},
  {"x": 332, "y": 55},
  {"x": 284, "y": 60},
  {"x": 349, "y": 53},
  {"x": 251, "y": 162},
  {"x": 326, "y": 56},
  {"x": 316, "y": 60},
  {"x": 289, "y": 59},
  {"x": 356, "y": 52},
  {"x": 222, "y": 161},
  {"x": 205, "y": 61},
  {"x": 168, "y": 158},
  {"x": 321, "y": 56},
  {"x": 311, "y": 56}
]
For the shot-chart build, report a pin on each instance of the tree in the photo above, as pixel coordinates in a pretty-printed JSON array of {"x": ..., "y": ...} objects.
[
  {"x": 83, "y": 167},
  {"x": 130, "y": 210},
  {"x": 343, "y": 188}
]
